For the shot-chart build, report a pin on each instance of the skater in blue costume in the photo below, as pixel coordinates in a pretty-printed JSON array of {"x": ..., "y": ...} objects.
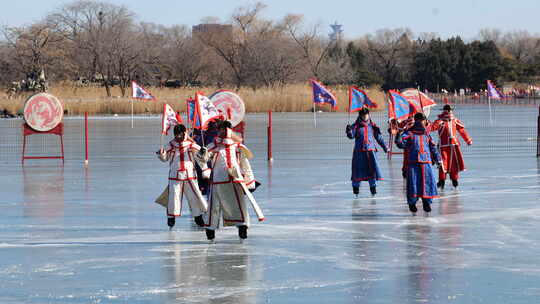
[
  {"x": 364, "y": 162},
  {"x": 422, "y": 153}
]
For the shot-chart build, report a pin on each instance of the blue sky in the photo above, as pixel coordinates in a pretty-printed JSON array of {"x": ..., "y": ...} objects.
[{"x": 359, "y": 17}]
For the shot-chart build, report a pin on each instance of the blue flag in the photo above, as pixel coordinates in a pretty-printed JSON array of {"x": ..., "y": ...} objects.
[
  {"x": 322, "y": 94},
  {"x": 493, "y": 92},
  {"x": 359, "y": 99},
  {"x": 400, "y": 106}
]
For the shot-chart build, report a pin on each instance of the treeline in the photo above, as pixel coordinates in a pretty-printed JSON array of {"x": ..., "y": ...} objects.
[{"x": 91, "y": 42}]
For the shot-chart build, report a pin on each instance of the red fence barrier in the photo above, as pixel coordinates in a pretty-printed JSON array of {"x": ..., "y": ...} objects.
[
  {"x": 538, "y": 135},
  {"x": 269, "y": 134},
  {"x": 85, "y": 138}
]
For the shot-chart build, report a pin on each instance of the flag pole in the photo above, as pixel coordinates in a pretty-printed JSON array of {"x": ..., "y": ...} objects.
[
  {"x": 198, "y": 112},
  {"x": 350, "y": 105},
  {"x": 489, "y": 105},
  {"x": 420, "y": 100},
  {"x": 314, "y": 115},
  {"x": 162, "y": 124},
  {"x": 132, "y": 101}
]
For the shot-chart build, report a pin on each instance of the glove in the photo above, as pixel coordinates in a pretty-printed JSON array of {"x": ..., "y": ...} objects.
[
  {"x": 348, "y": 128},
  {"x": 235, "y": 173},
  {"x": 162, "y": 155}
]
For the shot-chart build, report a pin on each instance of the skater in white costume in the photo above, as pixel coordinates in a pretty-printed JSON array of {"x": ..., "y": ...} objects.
[
  {"x": 230, "y": 169},
  {"x": 180, "y": 154}
]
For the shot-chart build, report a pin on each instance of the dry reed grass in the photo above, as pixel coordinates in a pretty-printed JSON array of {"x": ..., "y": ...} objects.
[{"x": 291, "y": 98}]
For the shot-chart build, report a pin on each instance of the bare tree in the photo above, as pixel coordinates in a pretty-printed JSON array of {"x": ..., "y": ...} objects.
[
  {"x": 101, "y": 34},
  {"x": 257, "y": 51},
  {"x": 389, "y": 54},
  {"x": 491, "y": 34},
  {"x": 313, "y": 47},
  {"x": 521, "y": 45},
  {"x": 35, "y": 49}
]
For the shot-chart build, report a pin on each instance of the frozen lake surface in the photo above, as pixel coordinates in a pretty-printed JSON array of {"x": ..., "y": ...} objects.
[{"x": 75, "y": 235}]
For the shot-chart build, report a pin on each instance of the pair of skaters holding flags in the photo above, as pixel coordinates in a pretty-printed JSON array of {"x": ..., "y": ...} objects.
[
  {"x": 224, "y": 173},
  {"x": 224, "y": 165}
]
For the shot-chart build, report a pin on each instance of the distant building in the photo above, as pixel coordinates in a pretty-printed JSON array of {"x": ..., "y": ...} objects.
[
  {"x": 212, "y": 30},
  {"x": 337, "y": 32}
]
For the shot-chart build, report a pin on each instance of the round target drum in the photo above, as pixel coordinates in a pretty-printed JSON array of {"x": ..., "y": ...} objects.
[
  {"x": 43, "y": 112},
  {"x": 230, "y": 105}
]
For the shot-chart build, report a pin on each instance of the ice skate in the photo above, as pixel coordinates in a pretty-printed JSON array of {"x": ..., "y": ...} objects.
[
  {"x": 455, "y": 183},
  {"x": 170, "y": 222},
  {"x": 373, "y": 190},
  {"x": 440, "y": 184},
  {"x": 356, "y": 191},
  {"x": 242, "y": 232},
  {"x": 199, "y": 221},
  {"x": 412, "y": 208},
  {"x": 426, "y": 206},
  {"x": 210, "y": 234}
]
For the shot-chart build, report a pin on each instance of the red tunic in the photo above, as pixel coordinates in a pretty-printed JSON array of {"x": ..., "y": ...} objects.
[{"x": 448, "y": 128}]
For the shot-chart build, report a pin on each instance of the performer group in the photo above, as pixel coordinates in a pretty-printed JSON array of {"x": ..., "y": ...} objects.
[
  {"x": 216, "y": 181},
  {"x": 210, "y": 168},
  {"x": 420, "y": 153}
]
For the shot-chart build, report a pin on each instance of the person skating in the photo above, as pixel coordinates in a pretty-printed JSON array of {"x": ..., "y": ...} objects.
[
  {"x": 180, "y": 153},
  {"x": 364, "y": 162},
  {"x": 230, "y": 169},
  {"x": 421, "y": 153},
  {"x": 448, "y": 127}
]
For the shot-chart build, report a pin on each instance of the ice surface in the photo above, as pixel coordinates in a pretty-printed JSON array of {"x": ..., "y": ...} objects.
[{"x": 75, "y": 235}]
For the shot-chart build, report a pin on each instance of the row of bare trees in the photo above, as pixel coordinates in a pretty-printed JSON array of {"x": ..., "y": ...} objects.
[{"x": 103, "y": 43}]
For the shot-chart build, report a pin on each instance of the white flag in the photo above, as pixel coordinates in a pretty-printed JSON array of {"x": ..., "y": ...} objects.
[
  {"x": 207, "y": 110},
  {"x": 139, "y": 92},
  {"x": 169, "y": 119}
]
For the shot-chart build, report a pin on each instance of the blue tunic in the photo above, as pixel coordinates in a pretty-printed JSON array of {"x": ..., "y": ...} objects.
[
  {"x": 364, "y": 161},
  {"x": 422, "y": 151}
]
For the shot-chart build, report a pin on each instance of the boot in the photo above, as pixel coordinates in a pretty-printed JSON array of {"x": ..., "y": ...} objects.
[
  {"x": 210, "y": 234},
  {"x": 355, "y": 190},
  {"x": 412, "y": 208},
  {"x": 170, "y": 222},
  {"x": 440, "y": 184},
  {"x": 373, "y": 190},
  {"x": 455, "y": 183},
  {"x": 242, "y": 231},
  {"x": 426, "y": 206},
  {"x": 199, "y": 221}
]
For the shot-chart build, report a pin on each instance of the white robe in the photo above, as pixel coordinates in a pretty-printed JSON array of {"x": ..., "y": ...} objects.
[
  {"x": 230, "y": 167},
  {"x": 183, "y": 179}
]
